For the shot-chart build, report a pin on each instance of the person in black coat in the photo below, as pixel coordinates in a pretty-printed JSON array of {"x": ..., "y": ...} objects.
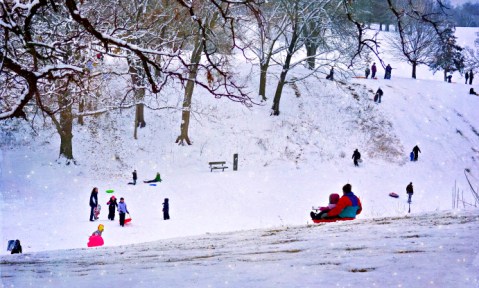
[
  {"x": 93, "y": 202},
  {"x": 472, "y": 92},
  {"x": 135, "y": 176},
  {"x": 112, "y": 205},
  {"x": 166, "y": 210},
  {"x": 17, "y": 248},
  {"x": 467, "y": 77},
  {"x": 471, "y": 77},
  {"x": 379, "y": 94},
  {"x": 416, "y": 151},
  {"x": 409, "y": 191},
  {"x": 387, "y": 75},
  {"x": 331, "y": 74},
  {"x": 356, "y": 157}
]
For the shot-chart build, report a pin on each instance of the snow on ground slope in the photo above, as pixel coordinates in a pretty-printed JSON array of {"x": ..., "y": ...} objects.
[{"x": 427, "y": 250}]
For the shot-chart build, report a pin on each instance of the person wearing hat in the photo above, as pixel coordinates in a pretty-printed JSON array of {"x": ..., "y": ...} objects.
[
  {"x": 112, "y": 205},
  {"x": 99, "y": 231},
  {"x": 409, "y": 191},
  {"x": 122, "y": 209},
  {"x": 348, "y": 205}
]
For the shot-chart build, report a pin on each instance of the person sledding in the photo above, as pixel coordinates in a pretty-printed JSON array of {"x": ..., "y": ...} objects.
[
  {"x": 95, "y": 238},
  {"x": 348, "y": 206},
  {"x": 157, "y": 179},
  {"x": 99, "y": 231},
  {"x": 323, "y": 211}
]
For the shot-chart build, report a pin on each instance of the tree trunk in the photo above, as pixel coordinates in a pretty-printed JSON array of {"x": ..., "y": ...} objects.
[
  {"x": 414, "y": 65},
  {"x": 64, "y": 128},
  {"x": 262, "y": 80},
  {"x": 81, "y": 108},
  {"x": 190, "y": 86},
  {"x": 284, "y": 72},
  {"x": 386, "y": 27},
  {"x": 310, "y": 53},
  {"x": 139, "y": 91},
  {"x": 380, "y": 26},
  {"x": 445, "y": 75}
]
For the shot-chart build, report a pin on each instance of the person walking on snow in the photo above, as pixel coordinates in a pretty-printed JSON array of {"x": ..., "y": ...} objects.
[
  {"x": 416, "y": 151},
  {"x": 112, "y": 205},
  {"x": 467, "y": 76},
  {"x": 93, "y": 202},
  {"x": 379, "y": 94},
  {"x": 331, "y": 74},
  {"x": 366, "y": 72},
  {"x": 348, "y": 205},
  {"x": 122, "y": 209},
  {"x": 356, "y": 157},
  {"x": 387, "y": 75},
  {"x": 373, "y": 70},
  {"x": 166, "y": 210},
  {"x": 471, "y": 77},
  {"x": 409, "y": 191}
]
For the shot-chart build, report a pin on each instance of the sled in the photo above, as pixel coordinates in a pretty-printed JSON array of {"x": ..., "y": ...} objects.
[
  {"x": 394, "y": 195},
  {"x": 95, "y": 241},
  {"x": 128, "y": 220},
  {"x": 10, "y": 245},
  {"x": 411, "y": 156},
  {"x": 110, "y": 191},
  {"x": 153, "y": 184},
  {"x": 331, "y": 220},
  {"x": 96, "y": 211}
]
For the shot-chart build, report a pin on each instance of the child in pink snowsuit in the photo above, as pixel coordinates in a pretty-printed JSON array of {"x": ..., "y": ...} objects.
[{"x": 323, "y": 211}]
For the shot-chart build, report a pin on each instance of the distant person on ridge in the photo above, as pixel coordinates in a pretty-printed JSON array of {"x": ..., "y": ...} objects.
[
  {"x": 356, "y": 157},
  {"x": 157, "y": 179},
  {"x": 409, "y": 191},
  {"x": 373, "y": 70},
  {"x": 467, "y": 76},
  {"x": 416, "y": 151},
  {"x": 471, "y": 77},
  {"x": 348, "y": 205},
  {"x": 366, "y": 72},
  {"x": 17, "y": 248}
]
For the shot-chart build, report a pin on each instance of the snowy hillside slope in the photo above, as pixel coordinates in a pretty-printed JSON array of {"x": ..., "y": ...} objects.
[{"x": 427, "y": 250}]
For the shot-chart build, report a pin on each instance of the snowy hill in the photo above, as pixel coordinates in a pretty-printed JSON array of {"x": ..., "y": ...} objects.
[
  {"x": 286, "y": 165},
  {"x": 429, "y": 250}
]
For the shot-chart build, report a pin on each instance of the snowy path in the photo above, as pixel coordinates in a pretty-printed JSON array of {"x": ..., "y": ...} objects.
[{"x": 429, "y": 250}]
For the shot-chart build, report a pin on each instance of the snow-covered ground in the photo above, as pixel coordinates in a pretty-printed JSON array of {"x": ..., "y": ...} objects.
[
  {"x": 286, "y": 165},
  {"x": 430, "y": 250}
]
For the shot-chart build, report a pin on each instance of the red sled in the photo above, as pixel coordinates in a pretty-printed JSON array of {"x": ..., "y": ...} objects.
[
  {"x": 128, "y": 220},
  {"x": 394, "y": 195},
  {"x": 94, "y": 241},
  {"x": 331, "y": 220}
]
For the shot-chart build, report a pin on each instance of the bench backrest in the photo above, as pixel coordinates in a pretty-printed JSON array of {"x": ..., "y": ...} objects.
[{"x": 216, "y": 163}]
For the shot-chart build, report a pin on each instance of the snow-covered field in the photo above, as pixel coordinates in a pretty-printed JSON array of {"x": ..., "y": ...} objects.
[{"x": 286, "y": 165}]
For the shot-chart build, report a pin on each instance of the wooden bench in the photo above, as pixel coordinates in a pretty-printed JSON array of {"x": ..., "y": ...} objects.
[{"x": 218, "y": 165}]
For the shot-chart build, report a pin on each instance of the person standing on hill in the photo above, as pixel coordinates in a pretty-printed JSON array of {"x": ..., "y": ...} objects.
[
  {"x": 467, "y": 76},
  {"x": 93, "y": 202},
  {"x": 471, "y": 77},
  {"x": 356, "y": 157},
  {"x": 366, "y": 72},
  {"x": 379, "y": 94},
  {"x": 373, "y": 70},
  {"x": 331, "y": 74},
  {"x": 387, "y": 75},
  {"x": 416, "y": 151},
  {"x": 166, "y": 210},
  {"x": 112, "y": 205},
  {"x": 122, "y": 209},
  {"x": 409, "y": 191}
]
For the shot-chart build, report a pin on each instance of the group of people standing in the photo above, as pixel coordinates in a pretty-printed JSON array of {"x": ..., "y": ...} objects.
[
  {"x": 469, "y": 76},
  {"x": 373, "y": 70}
]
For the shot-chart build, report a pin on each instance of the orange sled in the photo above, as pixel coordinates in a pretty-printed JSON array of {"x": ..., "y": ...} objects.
[{"x": 331, "y": 220}]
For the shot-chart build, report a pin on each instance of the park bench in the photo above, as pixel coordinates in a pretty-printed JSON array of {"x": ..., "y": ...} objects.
[{"x": 218, "y": 165}]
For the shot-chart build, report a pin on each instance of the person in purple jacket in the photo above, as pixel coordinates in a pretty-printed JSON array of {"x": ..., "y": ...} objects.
[{"x": 122, "y": 209}]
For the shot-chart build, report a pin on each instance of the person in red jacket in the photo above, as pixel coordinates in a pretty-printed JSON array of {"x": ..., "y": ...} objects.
[{"x": 348, "y": 205}]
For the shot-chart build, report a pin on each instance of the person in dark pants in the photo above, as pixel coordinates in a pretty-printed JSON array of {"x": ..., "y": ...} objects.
[
  {"x": 471, "y": 77},
  {"x": 356, "y": 157},
  {"x": 122, "y": 209},
  {"x": 409, "y": 191},
  {"x": 387, "y": 75},
  {"x": 112, "y": 204},
  {"x": 373, "y": 70},
  {"x": 157, "y": 179},
  {"x": 416, "y": 151},
  {"x": 367, "y": 72},
  {"x": 166, "y": 210},
  {"x": 93, "y": 202},
  {"x": 135, "y": 177},
  {"x": 379, "y": 94},
  {"x": 467, "y": 76},
  {"x": 17, "y": 248}
]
